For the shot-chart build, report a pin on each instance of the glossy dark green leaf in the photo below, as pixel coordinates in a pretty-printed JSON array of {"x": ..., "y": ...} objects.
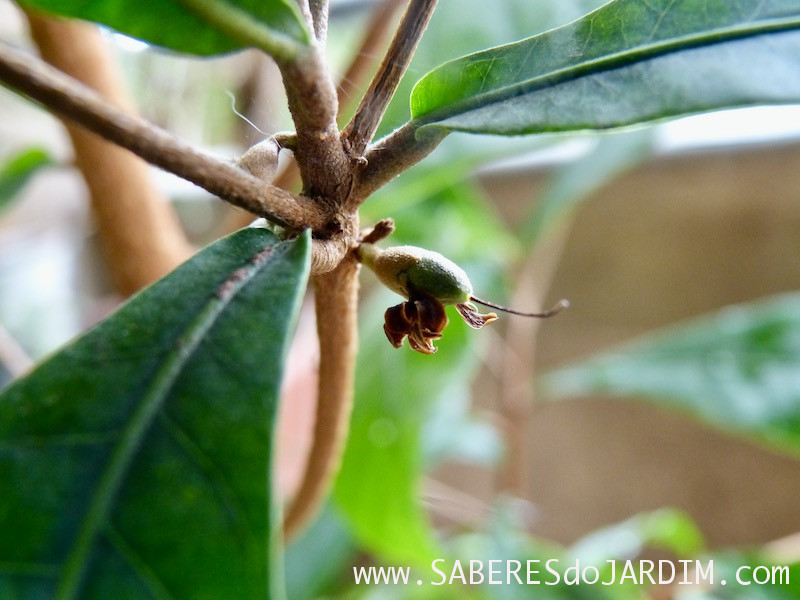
[
  {"x": 136, "y": 461},
  {"x": 735, "y": 370},
  {"x": 18, "y": 170},
  {"x": 459, "y": 27},
  {"x": 201, "y": 27},
  {"x": 628, "y": 62}
]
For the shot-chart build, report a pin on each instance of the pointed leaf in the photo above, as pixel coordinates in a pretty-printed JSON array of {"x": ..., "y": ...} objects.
[
  {"x": 193, "y": 26},
  {"x": 136, "y": 462},
  {"x": 464, "y": 27},
  {"x": 627, "y": 62},
  {"x": 736, "y": 370}
]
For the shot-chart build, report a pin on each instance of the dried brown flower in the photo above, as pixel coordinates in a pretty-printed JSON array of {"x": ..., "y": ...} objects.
[
  {"x": 422, "y": 318},
  {"x": 430, "y": 282}
]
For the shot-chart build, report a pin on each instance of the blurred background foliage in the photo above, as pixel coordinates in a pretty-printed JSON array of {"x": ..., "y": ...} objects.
[{"x": 428, "y": 471}]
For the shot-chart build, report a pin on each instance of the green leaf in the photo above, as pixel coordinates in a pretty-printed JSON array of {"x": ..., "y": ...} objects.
[
  {"x": 328, "y": 546},
  {"x": 665, "y": 529},
  {"x": 460, "y": 27},
  {"x": 136, "y": 462},
  {"x": 628, "y": 62},
  {"x": 578, "y": 180},
  {"x": 379, "y": 487},
  {"x": 455, "y": 29},
  {"x": 736, "y": 370},
  {"x": 413, "y": 410},
  {"x": 18, "y": 171},
  {"x": 203, "y": 27}
]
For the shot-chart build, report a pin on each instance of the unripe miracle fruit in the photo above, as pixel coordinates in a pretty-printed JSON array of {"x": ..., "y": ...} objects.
[
  {"x": 429, "y": 281},
  {"x": 406, "y": 268}
]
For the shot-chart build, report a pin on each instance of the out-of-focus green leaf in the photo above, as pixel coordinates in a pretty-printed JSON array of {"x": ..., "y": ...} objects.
[
  {"x": 452, "y": 163},
  {"x": 736, "y": 370},
  {"x": 137, "y": 461},
  {"x": 627, "y": 62},
  {"x": 18, "y": 170},
  {"x": 203, "y": 27},
  {"x": 451, "y": 432},
  {"x": 401, "y": 394},
  {"x": 545, "y": 563},
  {"x": 379, "y": 487},
  {"x": 576, "y": 181},
  {"x": 452, "y": 221},
  {"x": 665, "y": 529},
  {"x": 315, "y": 561}
]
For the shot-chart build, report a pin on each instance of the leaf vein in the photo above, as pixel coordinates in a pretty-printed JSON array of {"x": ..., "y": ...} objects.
[
  {"x": 216, "y": 478},
  {"x": 152, "y": 399},
  {"x": 138, "y": 565}
]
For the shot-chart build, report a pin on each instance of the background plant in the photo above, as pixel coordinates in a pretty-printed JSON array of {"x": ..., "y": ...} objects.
[{"x": 163, "y": 364}]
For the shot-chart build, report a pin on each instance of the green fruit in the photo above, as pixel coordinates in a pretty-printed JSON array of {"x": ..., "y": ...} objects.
[{"x": 407, "y": 269}]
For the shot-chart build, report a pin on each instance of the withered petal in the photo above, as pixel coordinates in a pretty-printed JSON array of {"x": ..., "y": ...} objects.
[
  {"x": 408, "y": 311},
  {"x": 395, "y": 337},
  {"x": 431, "y": 314},
  {"x": 423, "y": 345},
  {"x": 396, "y": 326},
  {"x": 397, "y": 319},
  {"x": 473, "y": 318},
  {"x": 422, "y": 319}
]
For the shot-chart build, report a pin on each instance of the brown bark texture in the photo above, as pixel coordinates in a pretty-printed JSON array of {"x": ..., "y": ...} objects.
[
  {"x": 336, "y": 300},
  {"x": 139, "y": 231}
]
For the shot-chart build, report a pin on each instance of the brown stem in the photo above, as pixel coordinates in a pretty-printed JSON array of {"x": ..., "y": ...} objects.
[
  {"x": 353, "y": 78},
  {"x": 327, "y": 174},
  {"x": 362, "y": 61},
  {"x": 392, "y": 155},
  {"x": 141, "y": 236},
  {"x": 68, "y": 98},
  {"x": 305, "y": 10},
  {"x": 324, "y": 166},
  {"x": 319, "y": 17},
  {"x": 355, "y": 73},
  {"x": 361, "y": 129},
  {"x": 336, "y": 298}
]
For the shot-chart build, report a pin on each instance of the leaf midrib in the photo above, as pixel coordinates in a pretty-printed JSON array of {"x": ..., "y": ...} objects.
[
  {"x": 133, "y": 434},
  {"x": 604, "y": 63}
]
